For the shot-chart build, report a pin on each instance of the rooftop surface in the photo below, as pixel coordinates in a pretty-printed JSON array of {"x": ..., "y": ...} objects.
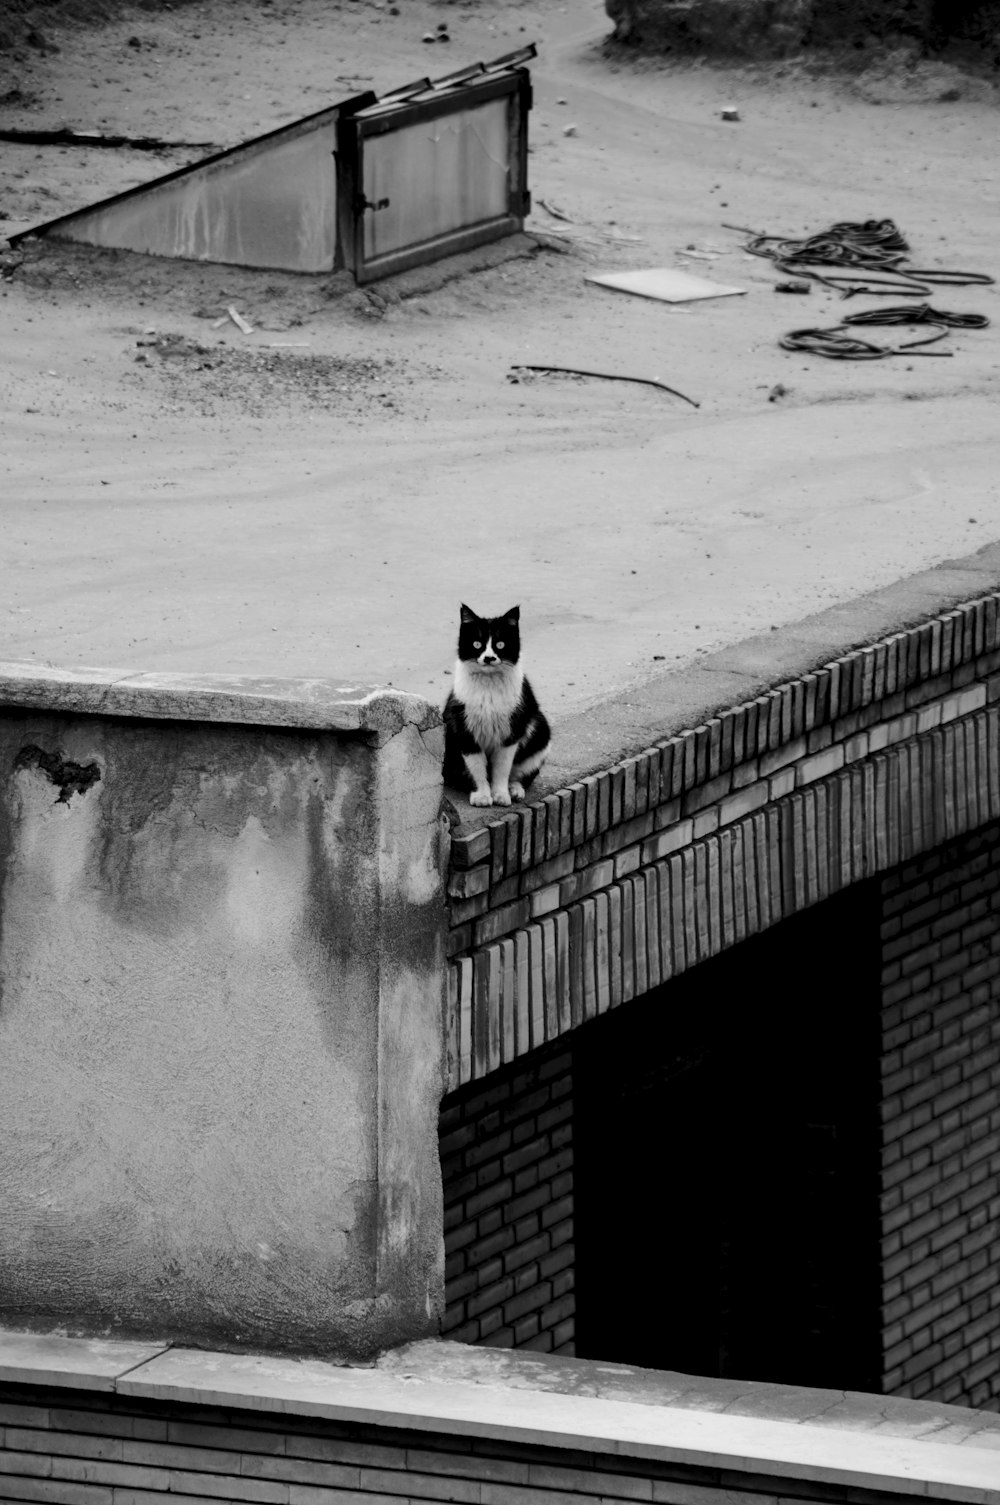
[{"x": 314, "y": 499}]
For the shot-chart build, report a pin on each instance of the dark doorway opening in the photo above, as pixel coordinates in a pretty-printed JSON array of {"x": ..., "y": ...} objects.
[{"x": 727, "y": 1161}]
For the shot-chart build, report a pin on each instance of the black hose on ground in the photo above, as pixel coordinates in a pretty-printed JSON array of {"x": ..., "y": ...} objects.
[
  {"x": 875, "y": 247},
  {"x": 839, "y": 343}
]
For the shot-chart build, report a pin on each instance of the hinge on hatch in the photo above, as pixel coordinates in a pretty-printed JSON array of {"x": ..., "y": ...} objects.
[{"x": 361, "y": 203}]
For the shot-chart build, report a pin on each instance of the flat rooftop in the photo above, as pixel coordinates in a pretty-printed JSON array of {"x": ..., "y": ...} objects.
[{"x": 314, "y": 499}]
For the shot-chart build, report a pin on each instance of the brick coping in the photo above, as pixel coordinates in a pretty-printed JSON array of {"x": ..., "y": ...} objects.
[{"x": 948, "y": 1453}]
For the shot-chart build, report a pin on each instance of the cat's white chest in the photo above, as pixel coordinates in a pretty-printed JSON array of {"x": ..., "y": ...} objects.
[{"x": 489, "y": 701}]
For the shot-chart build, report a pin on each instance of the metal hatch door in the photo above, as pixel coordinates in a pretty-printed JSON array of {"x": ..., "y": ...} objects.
[{"x": 436, "y": 173}]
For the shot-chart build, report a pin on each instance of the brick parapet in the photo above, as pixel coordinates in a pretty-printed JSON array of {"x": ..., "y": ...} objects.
[
  {"x": 885, "y": 684},
  {"x": 80, "y": 1445},
  {"x": 555, "y": 905}
]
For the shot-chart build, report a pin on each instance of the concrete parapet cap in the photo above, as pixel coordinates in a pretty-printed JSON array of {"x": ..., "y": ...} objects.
[
  {"x": 28, "y": 1358},
  {"x": 863, "y": 1442},
  {"x": 308, "y": 704}
]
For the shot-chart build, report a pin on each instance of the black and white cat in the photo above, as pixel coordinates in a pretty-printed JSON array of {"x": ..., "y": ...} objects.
[{"x": 495, "y": 736}]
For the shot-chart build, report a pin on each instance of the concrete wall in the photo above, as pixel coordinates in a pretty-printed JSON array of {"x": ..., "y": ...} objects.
[
  {"x": 220, "y": 963},
  {"x": 726, "y": 27},
  {"x": 774, "y": 27}
]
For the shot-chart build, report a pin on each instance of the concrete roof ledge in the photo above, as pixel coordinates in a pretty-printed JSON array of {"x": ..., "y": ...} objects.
[
  {"x": 847, "y": 1440},
  {"x": 306, "y": 704}
]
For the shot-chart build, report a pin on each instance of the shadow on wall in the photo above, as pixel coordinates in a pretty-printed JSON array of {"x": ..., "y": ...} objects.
[
  {"x": 775, "y": 28},
  {"x": 726, "y": 1139}
]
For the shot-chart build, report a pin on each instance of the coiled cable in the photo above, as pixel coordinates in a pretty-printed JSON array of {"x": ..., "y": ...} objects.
[
  {"x": 873, "y": 246},
  {"x": 838, "y": 343}
]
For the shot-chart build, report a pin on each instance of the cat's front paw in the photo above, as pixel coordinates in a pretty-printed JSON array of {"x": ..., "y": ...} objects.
[
  {"x": 501, "y": 797},
  {"x": 481, "y": 797},
  {"x": 516, "y": 791}
]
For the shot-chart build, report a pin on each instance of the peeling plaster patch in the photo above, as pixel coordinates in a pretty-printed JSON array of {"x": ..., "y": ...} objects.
[
  {"x": 265, "y": 889},
  {"x": 421, "y": 880},
  {"x": 70, "y": 778},
  {"x": 49, "y": 862},
  {"x": 410, "y": 847},
  {"x": 335, "y": 801},
  {"x": 433, "y": 739}
]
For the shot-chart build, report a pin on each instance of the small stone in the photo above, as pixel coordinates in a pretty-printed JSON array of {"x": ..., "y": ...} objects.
[
  {"x": 428, "y": 36},
  {"x": 569, "y": 130}
]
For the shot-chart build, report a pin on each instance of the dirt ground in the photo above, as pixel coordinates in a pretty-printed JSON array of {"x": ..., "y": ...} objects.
[{"x": 317, "y": 497}]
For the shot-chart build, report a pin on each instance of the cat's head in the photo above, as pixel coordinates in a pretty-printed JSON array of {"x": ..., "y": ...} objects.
[{"x": 489, "y": 644}]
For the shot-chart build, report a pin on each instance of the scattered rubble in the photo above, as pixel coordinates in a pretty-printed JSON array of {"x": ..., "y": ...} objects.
[{"x": 260, "y": 380}]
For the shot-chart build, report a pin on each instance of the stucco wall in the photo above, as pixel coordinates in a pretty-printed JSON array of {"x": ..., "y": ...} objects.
[{"x": 220, "y": 1059}]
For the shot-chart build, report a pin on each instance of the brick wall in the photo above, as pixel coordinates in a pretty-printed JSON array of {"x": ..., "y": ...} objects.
[
  {"x": 80, "y": 1448},
  {"x": 941, "y": 1124},
  {"x": 507, "y": 1166},
  {"x": 507, "y": 1144},
  {"x": 586, "y": 898},
  {"x": 885, "y": 765}
]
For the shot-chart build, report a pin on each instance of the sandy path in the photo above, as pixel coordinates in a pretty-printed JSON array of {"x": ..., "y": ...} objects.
[{"x": 158, "y": 522}]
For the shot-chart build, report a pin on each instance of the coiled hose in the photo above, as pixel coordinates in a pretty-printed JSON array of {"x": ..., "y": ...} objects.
[
  {"x": 838, "y": 344},
  {"x": 874, "y": 246}
]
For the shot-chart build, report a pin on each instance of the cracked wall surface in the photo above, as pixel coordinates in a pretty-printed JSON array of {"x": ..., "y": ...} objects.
[{"x": 221, "y": 961}]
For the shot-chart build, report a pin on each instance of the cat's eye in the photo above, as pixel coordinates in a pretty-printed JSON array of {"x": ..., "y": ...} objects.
[
  {"x": 477, "y": 645},
  {"x": 499, "y": 645}
]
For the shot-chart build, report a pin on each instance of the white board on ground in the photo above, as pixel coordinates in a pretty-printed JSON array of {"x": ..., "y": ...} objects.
[{"x": 665, "y": 283}]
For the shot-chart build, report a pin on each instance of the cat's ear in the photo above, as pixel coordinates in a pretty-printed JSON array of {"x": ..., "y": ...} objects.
[
  {"x": 468, "y": 615},
  {"x": 513, "y": 616}
]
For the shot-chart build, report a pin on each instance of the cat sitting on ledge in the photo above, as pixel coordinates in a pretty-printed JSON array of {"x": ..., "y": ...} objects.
[{"x": 495, "y": 735}]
